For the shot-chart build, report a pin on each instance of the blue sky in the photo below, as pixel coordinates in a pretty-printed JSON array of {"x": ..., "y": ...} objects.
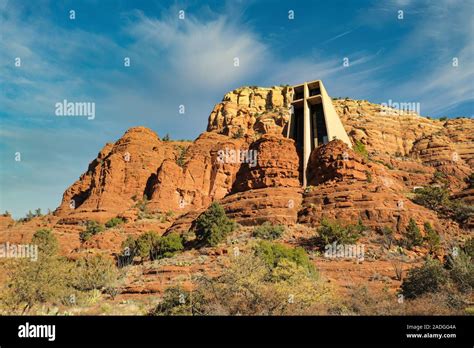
[{"x": 190, "y": 62}]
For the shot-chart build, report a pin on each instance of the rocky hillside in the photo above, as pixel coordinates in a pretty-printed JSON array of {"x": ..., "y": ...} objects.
[
  {"x": 183, "y": 177},
  {"x": 244, "y": 162}
]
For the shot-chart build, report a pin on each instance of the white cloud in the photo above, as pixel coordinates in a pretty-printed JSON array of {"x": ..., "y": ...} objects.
[
  {"x": 444, "y": 31},
  {"x": 199, "y": 54}
]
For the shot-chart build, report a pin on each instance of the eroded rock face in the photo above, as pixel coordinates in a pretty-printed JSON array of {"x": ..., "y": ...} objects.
[
  {"x": 348, "y": 187},
  {"x": 383, "y": 130},
  {"x": 203, "y": 177},
  {"x": 279, "y": 205},
  {"x": 372, "y": 203},
  {"x": 117, "y": 177},
  {"x": 277, "y": 165},
  {"x": 388, "y": 131},
  {"x": 250, "y": 110},
  {"x": 439, "y": 152},
  {"x": 336, "y": 162}
]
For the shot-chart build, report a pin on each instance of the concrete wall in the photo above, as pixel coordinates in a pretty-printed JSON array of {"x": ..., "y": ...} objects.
[{"x": 333, "y": 122}]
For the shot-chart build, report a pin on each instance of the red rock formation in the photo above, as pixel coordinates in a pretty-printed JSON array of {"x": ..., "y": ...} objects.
[
  {"x": 349, "y": 187},
  {"x": 439, "y": 152},
  {"x": 117, "y": 177},
  {"x": 274, "y": 204},
  {"x": 251, "y": 110},
  {"x": 202, "y": 177},
  {"x": 277, "y": 165}
]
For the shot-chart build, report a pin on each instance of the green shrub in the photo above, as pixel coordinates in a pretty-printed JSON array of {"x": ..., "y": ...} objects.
[
  {"x": 166, "y": 137},
  {"x": 460, "y": 212},
  {"x": 30, "y": 283},
  {"x": 181, "y": 158},
  {"x": 360, "y": 227},
  {"x": 437, "y": 198},
  {"x": 27, "y": 217},
  {"x": 440, "y": 178},
  {"x": 359, "y": 147},
  {"x": 268, "y": 231},
  {"x": 432, "y": 237},
  {"x": 272, "y": 254},
  {"x": 213, "y": 225},
  {"x": 46, "y": 241},
  {"x": 369, "y": 176},
  {"x": 334, "y": 231},
  {"x": 176, "y": 301},
  {"x": 168, "y": 245},
  {"x": 430, "y": 277},
  {"x": 146, "y": 243},
  {"x": 92, "y": 228},
  {"x": 462, "y": 272},
  {"x": 94, "y": 272},
  {"x": 246, "y": 286},
  {"x": 443, "y": 118},
  {"x": 433, "y": 198},
  {"x": 468, "y": 247},
  {"x": 413, "y": 235},
  {"x": 130, "y": 244},
  {"x": 114, "y": 222}
]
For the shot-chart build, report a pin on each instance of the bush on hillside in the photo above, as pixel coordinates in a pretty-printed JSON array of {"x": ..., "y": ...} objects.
[
  {"x": 430, "y": 277},
  {"x": 432, "y": 237},
  {"x": 412, "y": 235},
  {"x": 114, "y": 222},
  {"x": 273, "y": 253},
  {"x": 213, "y": 226},
  {"x": 92, "y": 228},
  {"x": 46, "y": 241},
  {"x": 146, "y": 243},
  {"x": 268, "y": 231},
  {"x": 360, "y": 148},
  {"x": 94, "y": 272},
  {"x": 167, "y": 246},
  {"x": 433, "y": 198},
  {"x": 334, "y": 231}
]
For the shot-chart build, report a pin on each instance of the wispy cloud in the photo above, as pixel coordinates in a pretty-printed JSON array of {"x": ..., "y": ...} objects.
[
  {"x": 431, "y": 36},
  {"x": 338, "y": 36}
]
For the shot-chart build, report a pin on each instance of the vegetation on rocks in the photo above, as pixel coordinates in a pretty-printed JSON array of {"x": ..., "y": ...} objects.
[
  {"x": 456, "y": 276},
  {"x": 334, "y": 231},
  {"x": 52, "y": 279},
  {"x": 268, "y": 231},
  {"x": 92, "y": 228},
  {"x": 249, "y": 287},
  {"x": 412, "y": 236},
  {"x": 213, "y": 226},
  {"x": 114, "y": 222}
]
